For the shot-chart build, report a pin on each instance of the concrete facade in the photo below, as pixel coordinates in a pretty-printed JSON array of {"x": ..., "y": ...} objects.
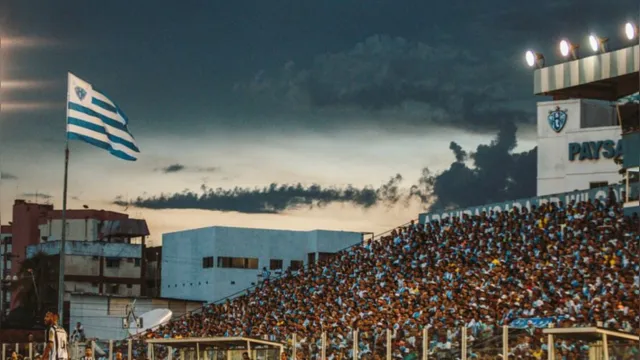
[
  {"x": 30, "y": 219},
  {"x": 5, "y": 266},
  {"x": 212, "y": 263},
  {"x": 104, "y": 250},
  {"x": 77, "y": 229},
  {"x": 86, "y": 261},
  {"x": 560, "y": 169}
]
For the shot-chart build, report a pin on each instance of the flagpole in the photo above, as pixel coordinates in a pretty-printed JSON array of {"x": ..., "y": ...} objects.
[{"x": 63, "y": 237}]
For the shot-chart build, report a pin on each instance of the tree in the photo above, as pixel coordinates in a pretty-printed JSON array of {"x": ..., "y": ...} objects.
[{"x": 37, "y": 285}]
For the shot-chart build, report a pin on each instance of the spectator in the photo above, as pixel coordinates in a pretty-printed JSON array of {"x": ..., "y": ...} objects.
[
  {"x": 266, "y": 274},
  {"x": 575, "y": 262},
  {"x": 78, "y": 333}
]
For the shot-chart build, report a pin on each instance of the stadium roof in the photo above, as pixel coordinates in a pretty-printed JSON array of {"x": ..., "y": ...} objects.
[{"x": 609, "y": 76}]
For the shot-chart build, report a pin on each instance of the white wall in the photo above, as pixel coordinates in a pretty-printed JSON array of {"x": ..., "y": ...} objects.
[
  {"x": 102, "y": 316},
  {"x": 183, "y": 276},
  {"x": 556, "y": 173},
  {"x": 77, "y": 229}
]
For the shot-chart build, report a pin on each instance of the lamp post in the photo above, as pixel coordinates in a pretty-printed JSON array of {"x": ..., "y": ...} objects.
[{"x": 35, "y": 287}]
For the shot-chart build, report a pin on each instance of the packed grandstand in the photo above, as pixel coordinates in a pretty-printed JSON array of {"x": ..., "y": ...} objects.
[{"x": 576, "y": 263}]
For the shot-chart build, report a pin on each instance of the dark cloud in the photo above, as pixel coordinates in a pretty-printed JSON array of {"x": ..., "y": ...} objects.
[
  {"x": 274, "y": 198},
  {"x": 174, "y": 168},
  {"x": 495, "y": 174},
  {"x": 459, "y": 153},
  {"x": 37, "y": 195},
  {"x": 7, "y": 176},
  {"x": 207, "y": 169},
  {"x": 491, "y": 173},
  {"x": 587, "y": 16},
  {"x": 421, "y": 83}
]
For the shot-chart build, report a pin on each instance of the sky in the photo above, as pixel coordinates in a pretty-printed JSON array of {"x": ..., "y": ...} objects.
[{"x": 286, "y": 114}]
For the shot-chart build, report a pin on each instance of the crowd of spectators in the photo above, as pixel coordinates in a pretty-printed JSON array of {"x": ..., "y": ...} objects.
[{"x": 576, "y": 262}]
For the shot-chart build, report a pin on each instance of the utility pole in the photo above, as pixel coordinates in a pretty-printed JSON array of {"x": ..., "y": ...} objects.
[{"x": 2, "y": 241}]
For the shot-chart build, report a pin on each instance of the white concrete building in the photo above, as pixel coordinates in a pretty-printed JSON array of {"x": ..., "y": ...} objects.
[
  {"x": 98, "y": 267},
  {"x": 101, "y": 316},
  {"x": 77, "y": 229},
  {"x": 101, "y": 257},
  {"x": 578, "y": 151},
  {"x": 215, "y": 262}
]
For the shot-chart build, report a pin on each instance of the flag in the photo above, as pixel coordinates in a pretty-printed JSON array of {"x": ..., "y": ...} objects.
[{"x": 93, "y": 118}]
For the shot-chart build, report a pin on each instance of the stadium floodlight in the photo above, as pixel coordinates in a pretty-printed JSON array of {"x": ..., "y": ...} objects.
[
  {"x": 568, "y": 49},
  {"x": 631, "y": 30},
  {"x": 598, "y": 43},
  {"x": 534, "y": 59}
]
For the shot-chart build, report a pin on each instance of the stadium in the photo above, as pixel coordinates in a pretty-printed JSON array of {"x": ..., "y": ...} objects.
[{"x": 550, "y": 277}]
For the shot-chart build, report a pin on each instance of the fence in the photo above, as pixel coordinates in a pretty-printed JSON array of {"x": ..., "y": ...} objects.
[{"x": 410, "y": 343}]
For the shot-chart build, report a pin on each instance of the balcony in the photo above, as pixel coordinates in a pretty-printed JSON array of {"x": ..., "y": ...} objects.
[{"x": 87, "y": 248}]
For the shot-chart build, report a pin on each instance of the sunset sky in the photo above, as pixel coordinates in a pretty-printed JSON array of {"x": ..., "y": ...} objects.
[{"x": 244, "y": 94}]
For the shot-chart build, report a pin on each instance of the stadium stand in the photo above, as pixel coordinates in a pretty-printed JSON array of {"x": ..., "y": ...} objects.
[{"x": 576, "y": 263}]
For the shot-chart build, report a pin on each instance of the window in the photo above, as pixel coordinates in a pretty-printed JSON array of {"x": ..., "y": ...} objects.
[
  {"x": 323, "y": 256},
  {"x": 136, "y": 262},
  {"x": 113, "y": 263},
  {"x": 275, "y": 264},
  {"x": 598, "y": 184},
  {"x": 297, "y": 264},
  {"x": 237, "y": 263},
  {"x": 207, "y": 262}
]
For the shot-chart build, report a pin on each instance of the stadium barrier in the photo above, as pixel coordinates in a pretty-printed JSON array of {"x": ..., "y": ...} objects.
[
  {"x": 600, "y": 193},
  {"x": 462, "y": 343}
]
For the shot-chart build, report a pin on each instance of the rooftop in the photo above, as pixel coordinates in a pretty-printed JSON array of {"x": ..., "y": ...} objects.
[{"x": 609, "y": 76}]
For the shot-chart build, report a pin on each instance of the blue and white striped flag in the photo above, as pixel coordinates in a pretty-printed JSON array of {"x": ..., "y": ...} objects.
[{"x": 93, "y": 118}]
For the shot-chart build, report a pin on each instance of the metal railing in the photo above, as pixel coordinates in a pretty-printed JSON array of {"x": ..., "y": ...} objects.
[{"x": 464, "y": 343}]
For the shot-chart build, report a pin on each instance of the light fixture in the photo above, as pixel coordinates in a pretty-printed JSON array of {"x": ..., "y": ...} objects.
[
  {"x": 631, "y": 30},
  {"x": 534, "y": 59},
  {"x": 598, "y": 43},
  {"x": 568, "y": 49}
]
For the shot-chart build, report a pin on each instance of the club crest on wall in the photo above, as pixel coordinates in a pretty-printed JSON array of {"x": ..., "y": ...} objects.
[{"x": 557, "y": 119}]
